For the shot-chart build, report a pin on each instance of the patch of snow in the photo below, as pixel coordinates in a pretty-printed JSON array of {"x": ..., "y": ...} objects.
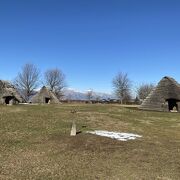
[{"x": 116, "y": 135}]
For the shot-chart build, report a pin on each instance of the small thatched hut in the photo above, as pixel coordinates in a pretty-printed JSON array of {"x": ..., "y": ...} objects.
[
  {"x": 44, "y": 96},
  {"x": 165, "y": 97},
  {"x": 9, "y": 94}
]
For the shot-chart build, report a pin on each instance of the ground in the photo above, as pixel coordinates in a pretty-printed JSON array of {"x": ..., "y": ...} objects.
[{"x": 35, "y": 143}]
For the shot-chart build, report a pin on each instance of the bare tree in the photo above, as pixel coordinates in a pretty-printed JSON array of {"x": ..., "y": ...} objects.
[
  {"x": 55, "y": 80},
  {"x": 122, "y": 87},
  {"x": 89, "y": 94},
  {"x": 27, "y": 80},
  {"x": 144, "y": 89},
  {"x": 98, "y": 98},
  {"x": 127, "y": 97}
]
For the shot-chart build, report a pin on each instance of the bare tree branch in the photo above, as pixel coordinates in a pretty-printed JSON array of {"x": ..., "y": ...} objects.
[
  {"x": 89, "y": 94},
  {"x": 55, "y": 80},
  {"x": 143, "y": 90},
  {"x": 27, "y": 80},
  {"x": 122, "y": 87}
]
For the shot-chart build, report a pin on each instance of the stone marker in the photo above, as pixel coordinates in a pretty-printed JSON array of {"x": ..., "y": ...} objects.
[{"x": 73, "y": 129}]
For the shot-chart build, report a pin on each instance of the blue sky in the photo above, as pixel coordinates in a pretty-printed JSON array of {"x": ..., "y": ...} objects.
[{"x": 92, "y": 40}]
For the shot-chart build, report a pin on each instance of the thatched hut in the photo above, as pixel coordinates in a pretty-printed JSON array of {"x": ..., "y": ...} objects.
[
  {"x": 44, "y": 96},
  {"x": 9, "y": 94},
  {"x": 165, "y": 97}
]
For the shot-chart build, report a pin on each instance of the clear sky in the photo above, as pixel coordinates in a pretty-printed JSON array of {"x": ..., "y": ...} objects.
[{"x": 92, "y": 40}]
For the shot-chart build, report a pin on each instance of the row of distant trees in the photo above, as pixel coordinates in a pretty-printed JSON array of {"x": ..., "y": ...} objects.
[{"x": 29, "y": 79}]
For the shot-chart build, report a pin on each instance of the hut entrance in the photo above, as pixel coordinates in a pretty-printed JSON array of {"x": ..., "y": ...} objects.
[
  {"x": 8, "y": 100},
  {"x": 172, "y": 104},
  {"x": 47, "y": 100}
]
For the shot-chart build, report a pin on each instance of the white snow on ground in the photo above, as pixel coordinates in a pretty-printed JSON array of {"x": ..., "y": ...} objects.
[{"x": 116, "y": 135}]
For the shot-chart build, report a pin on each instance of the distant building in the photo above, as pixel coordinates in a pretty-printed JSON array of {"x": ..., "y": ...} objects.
[
  {"x": 44, "y": 96},
  {"x": 165, "y": 97},
  {"x": 9, "y": 94}
]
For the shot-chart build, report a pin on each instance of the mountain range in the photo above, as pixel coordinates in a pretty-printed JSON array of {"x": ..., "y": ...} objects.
[{"x": 76, "y": 95}]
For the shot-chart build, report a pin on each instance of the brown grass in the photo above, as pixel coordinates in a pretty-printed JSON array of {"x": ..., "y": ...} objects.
[{"x": 35, "y": 143}]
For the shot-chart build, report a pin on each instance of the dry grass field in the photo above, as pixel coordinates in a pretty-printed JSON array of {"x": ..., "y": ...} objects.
[{"x": 35, "y": 143}]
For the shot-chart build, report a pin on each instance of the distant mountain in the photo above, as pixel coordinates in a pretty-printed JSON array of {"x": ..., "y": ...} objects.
[
  {"x": 76, "y": 95},
  {"x": 70, "y": 94}
]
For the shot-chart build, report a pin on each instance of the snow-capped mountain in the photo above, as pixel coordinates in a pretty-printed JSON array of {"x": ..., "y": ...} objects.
[{"x": 76, "y": 95}]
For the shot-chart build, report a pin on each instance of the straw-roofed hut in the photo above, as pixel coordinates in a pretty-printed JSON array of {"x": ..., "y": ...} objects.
[
  {"x": 44, "y": 96},
  {"x": 9, "y": 94},
  {"x": 165, "y": 97}
]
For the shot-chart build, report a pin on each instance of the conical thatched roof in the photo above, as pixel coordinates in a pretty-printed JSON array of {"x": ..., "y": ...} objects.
[
  {"x": 7, "y": 90},
  {"x": 164, "y": 97},
  {"x": 44, "y": 96}
]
